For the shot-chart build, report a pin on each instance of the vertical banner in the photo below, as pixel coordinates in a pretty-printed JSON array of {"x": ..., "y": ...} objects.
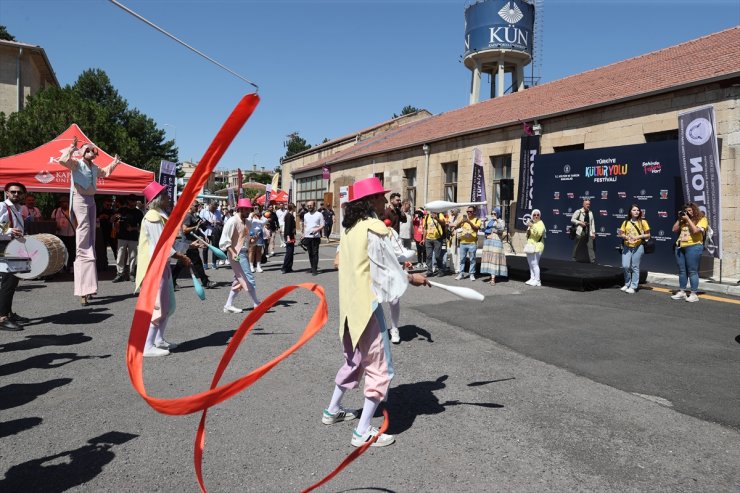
[
  {"x": 698, "y": 155},
  {"x": 276, "y": 182},
  {"x": 325, "y": 173},
  {"x": 239, "y": 179},
  {"x": 232, "y": 202},
  {"x": 478, "y": 190},
  {"x": 268, "y": 193},
  {"x": 530, "y": 148},
  {"x": 343, "y": 198},
  {"x": 168, "y": 178}
]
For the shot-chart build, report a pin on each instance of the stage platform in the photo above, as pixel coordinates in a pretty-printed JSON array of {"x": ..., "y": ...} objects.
[{"x": 566, "y": 274}]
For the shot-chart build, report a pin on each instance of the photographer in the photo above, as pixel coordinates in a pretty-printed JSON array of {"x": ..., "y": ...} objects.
[
  {"x": 583, "y": 221},
  {"x": 394, "y": 213},
  {"x": 691, "y": 225},
  {"x": 189, "y": 225},
  {"x": 126, "y": 224}
]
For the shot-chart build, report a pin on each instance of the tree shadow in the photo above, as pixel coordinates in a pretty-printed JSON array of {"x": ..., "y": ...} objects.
[
  {"x": 211, "y": 340},
  {"x": 44, "y": 362},
  {"x": 407, "y": 401},
  {"x": 65, "y": 470},
  {"x": 38, "y": 341},
  {"x": 411, "y": 332},
  {"x": 19, "y": 394},
  {"x": 15, "y": 426},
  {"x": 80, "y": 316}
]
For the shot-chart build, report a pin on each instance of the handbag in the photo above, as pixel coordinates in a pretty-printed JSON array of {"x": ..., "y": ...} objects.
[{"x": 529, "y": 248}]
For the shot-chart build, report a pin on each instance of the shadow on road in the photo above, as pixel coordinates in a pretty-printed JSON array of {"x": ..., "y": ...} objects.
[
  {"x": 80, "y": 316},
  {"x": 211, "y": 340},
  {"x": 65, "y": 470},
  {"x": 114, "y": 298},
  {"x": 411, "y": 332},
  {"x": 486, "y": 382},
  {"x": 44, "y": 362},
  {"x": 407, "y": 401},
  {"x": 18, "y": 394},
  {"x": 34, "y": 342},
  {"x": 15, "y": 426}
]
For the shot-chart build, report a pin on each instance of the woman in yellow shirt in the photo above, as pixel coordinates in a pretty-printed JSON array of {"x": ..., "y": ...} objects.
[
  {"x": 634, "y": 232},
  {"x": 691, "y": 226},
  {"x": 535, "y": 238}
]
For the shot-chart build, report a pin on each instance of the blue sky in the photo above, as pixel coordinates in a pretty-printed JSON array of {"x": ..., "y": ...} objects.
[{"x": 325, "y": 68}]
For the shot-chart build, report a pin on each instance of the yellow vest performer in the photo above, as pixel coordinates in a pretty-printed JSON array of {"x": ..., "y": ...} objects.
[
  {"x": 369, "y": 274},
  {"x": 151, "y": 229}
]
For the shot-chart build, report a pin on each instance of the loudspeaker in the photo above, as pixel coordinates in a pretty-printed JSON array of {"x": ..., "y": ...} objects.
[{"x": 507, "y": 189}]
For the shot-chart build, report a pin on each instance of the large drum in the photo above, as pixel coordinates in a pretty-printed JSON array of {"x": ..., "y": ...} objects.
[{"x": 47, "y": 253}]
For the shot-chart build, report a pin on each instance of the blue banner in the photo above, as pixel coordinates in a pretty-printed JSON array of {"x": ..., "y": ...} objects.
[
  {"x": 478, "y": 190},
  {"x": 613, "y": 178}
]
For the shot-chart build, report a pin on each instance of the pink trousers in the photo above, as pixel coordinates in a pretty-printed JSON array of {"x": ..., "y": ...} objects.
[{"x": 86, "y": 273}]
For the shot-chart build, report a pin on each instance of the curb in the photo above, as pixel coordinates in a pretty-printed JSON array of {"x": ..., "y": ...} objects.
[{"x": 728, "y": 287}]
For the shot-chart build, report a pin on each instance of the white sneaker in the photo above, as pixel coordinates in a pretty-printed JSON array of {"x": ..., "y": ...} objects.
[
  {"x": 472, "y": 277},
  {"x": 231, "y": 309},
  {"x": 680, "y": 295},
  {"x": 282, "y": 245},
  {"x": 259, "y": 268},
  {"x": 692, "y": 298},
  {"x": 154, "y": 351},
  {"x": 360, "y": 440},
  {"x": 537, "y": 283},
  {"x": 629, "y": 291},
  {"x": 342, "y": 415},
  {"x": 395, "y": 336},
  {"x": 166, "y": 345},
  {"x": 530, "y": 282},
  {"x": 625, "y": 287},
  {"x": 459, "y": 277}
]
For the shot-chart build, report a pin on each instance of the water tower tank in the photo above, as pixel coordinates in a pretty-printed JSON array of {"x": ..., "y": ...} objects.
[{"x": 499, "y": 36}]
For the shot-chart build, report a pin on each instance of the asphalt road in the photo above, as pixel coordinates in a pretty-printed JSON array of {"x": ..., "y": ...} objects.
[{"x": 536, "y": 389}]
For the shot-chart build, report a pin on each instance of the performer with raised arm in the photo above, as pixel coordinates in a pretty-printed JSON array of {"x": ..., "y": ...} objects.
[
  {"x": 84, "y": 185},
  {"x": 369, "y": 274}
]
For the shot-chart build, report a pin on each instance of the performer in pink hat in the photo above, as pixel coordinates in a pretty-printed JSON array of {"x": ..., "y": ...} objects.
[
  {"x": 85, "y": 175},
  {"x": 152, "y": 226},
  {"x": 235, "y": 241},
  {"x": 369, "y": 274}
]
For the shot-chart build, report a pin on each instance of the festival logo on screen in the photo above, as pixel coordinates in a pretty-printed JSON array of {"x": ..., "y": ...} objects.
[
  {"x": 570, "y": 195},
  {"x": 651, "y": 167},
  {"x": 555, "y": 230},
  {"x": 603, "y": 212},
  {"x": 602, "y": 233},
  {"x": 569, "y": 213},
  {"x": 622, "y": 195},
  {"x": 620, "y": 214},
  {"x": 587, "y": 195},
  {"x": 643, "y": 195},
  {"x": 567, "y": 174},
  {"x": 663, "y": 214},
  {"x": 664, "y": 195},
  {"x": 606, "y": 170},
  {"x": 556, "y": 195},
  {"x": 604, "y": 194},
  {"x": 661, "y": 236},
  {"x": 556, "y": 212}
]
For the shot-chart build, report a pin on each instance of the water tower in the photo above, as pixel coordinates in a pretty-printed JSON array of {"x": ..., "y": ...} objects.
[{"x": 499, "y": 39}]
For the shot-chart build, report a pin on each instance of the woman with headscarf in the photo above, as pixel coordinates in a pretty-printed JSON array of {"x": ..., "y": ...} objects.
[
  {"x": 84, "y": 181},
  {"x": 534, "y": 247},
  {"x": 493, "y": 260},
  {"x": 151, "y": 229}
]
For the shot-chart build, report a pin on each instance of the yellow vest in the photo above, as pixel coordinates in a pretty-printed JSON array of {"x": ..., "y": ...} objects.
[
  {"x": 143, "y": 258},
  {"x": 356, "y": 297}
]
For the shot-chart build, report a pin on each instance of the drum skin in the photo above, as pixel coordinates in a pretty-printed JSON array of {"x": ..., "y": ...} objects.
[{"x": 47, "y": 252}]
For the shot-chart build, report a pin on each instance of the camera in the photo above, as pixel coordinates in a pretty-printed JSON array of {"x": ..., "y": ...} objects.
[{"x": 682, "y": 213}]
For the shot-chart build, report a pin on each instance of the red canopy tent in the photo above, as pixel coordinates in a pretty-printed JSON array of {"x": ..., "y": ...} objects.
[
  {"x": 39, "y": 172},
  {"x": 278, "y": 197}
]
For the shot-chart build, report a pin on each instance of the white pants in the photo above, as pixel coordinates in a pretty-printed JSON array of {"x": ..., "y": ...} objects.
[{"x": 533, "y": 259}]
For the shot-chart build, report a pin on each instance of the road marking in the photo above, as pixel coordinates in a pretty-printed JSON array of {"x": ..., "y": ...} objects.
[{"x": 702, "y": 296}]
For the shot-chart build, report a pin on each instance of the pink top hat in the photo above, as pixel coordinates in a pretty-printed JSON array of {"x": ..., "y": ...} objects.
[
  {"x": 152, "y": 190},
  {"x": 365, "y": 188},
  {"x": 244, "y": 204}
]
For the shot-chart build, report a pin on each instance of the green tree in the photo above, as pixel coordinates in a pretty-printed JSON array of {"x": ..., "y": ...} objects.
[
  {"x": 295, "y": 145},
  {"x": 5, "y": 35},
  {"x": 95, "y": 105},
  {"x": 407, "y": 110}
]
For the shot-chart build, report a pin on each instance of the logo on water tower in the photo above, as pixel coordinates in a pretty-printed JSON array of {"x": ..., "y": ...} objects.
[{"x": 511, "y": 13}]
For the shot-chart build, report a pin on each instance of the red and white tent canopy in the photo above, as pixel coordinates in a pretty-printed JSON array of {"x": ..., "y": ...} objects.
[
  {"x": 276, "y": 197},
  {"x": 39, "y": 172}
]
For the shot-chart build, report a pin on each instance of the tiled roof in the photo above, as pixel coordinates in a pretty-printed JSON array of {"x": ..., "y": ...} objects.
[{"x": 712, "y": 57}]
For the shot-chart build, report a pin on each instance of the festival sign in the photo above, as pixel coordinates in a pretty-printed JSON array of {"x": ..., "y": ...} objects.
[
  {"x": 168, "y": 178},
  {"x": 530, "y": 148},
  {"x": 478, "y": 190},
  {"x": 699, "y": 163},
  {"x": 613, "y": 179}
]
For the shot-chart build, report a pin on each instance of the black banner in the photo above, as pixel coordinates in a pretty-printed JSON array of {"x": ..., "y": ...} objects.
[
  {"x": 699, "y": 162},
  {"x": 168, "y": 178},
  {"x": 530, "y": 148},
  {"x": 613, "y": 178}
]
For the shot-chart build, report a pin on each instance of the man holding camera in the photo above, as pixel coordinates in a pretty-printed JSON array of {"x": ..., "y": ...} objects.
[
  {"x": 583, "y": 220},
  {"x": 190, "y": 224},
  {"x": 394, "y": 213},
  {"x": 126, "y": 223}
]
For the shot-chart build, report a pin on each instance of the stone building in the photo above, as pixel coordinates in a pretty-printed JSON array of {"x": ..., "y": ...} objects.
[
  {"x": 24, "y": 70},
  {"x": 630, "y": 102}
]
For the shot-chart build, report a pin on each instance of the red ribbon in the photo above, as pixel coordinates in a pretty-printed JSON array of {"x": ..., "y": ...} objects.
[{"x": 142, "y": 316}]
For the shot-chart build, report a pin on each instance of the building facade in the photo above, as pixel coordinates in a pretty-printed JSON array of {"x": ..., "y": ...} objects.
[{"x": 24, "y": 71}]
